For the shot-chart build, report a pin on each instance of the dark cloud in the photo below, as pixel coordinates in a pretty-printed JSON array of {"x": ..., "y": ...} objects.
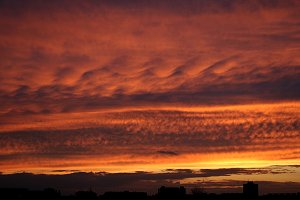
[
  {"x": 170, "y": 153},
  {"x": 193, "y": 7},
  {"x": 22, "y": 90},
  {"x": 64, "y": 171},
  {"x": 235, "y": 186},
  {"x": 96, "y": 73},
  {"x": 231, "y": 171},
  {"x": 200, "y": 6},
  {"x": 62, "y": 73},
  {"x": 69, "y": 57}
]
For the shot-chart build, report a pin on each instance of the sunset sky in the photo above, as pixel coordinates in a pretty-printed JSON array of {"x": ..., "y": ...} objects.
[{"x": 135, "y": 94}]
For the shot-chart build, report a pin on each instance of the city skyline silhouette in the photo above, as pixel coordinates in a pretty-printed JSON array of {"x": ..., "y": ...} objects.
[{"x": 250, "y": 192}]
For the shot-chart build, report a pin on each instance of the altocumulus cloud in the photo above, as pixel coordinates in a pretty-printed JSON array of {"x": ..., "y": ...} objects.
[{"x": 154, "y": 134}]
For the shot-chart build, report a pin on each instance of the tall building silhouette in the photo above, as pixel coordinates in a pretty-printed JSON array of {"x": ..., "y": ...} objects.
[{"x": 250, "y": 190}]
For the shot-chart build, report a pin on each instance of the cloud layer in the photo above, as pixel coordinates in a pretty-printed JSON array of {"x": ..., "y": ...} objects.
[
  {"x": 151, "y": 137},
  {"x": 61, "y": 56}
]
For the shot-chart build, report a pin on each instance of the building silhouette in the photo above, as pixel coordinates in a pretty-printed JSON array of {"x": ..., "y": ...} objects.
[{"x": 250, "y": 190}]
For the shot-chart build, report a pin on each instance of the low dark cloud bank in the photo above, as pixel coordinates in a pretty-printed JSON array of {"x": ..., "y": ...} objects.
[{"x": 145, "y": 181}]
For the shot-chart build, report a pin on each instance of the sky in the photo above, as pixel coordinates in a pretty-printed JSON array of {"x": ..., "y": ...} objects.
[{"x": 132, "y": 95}]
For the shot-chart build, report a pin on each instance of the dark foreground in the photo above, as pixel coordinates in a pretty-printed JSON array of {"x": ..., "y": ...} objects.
[{"x": 173, "y": 194}]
